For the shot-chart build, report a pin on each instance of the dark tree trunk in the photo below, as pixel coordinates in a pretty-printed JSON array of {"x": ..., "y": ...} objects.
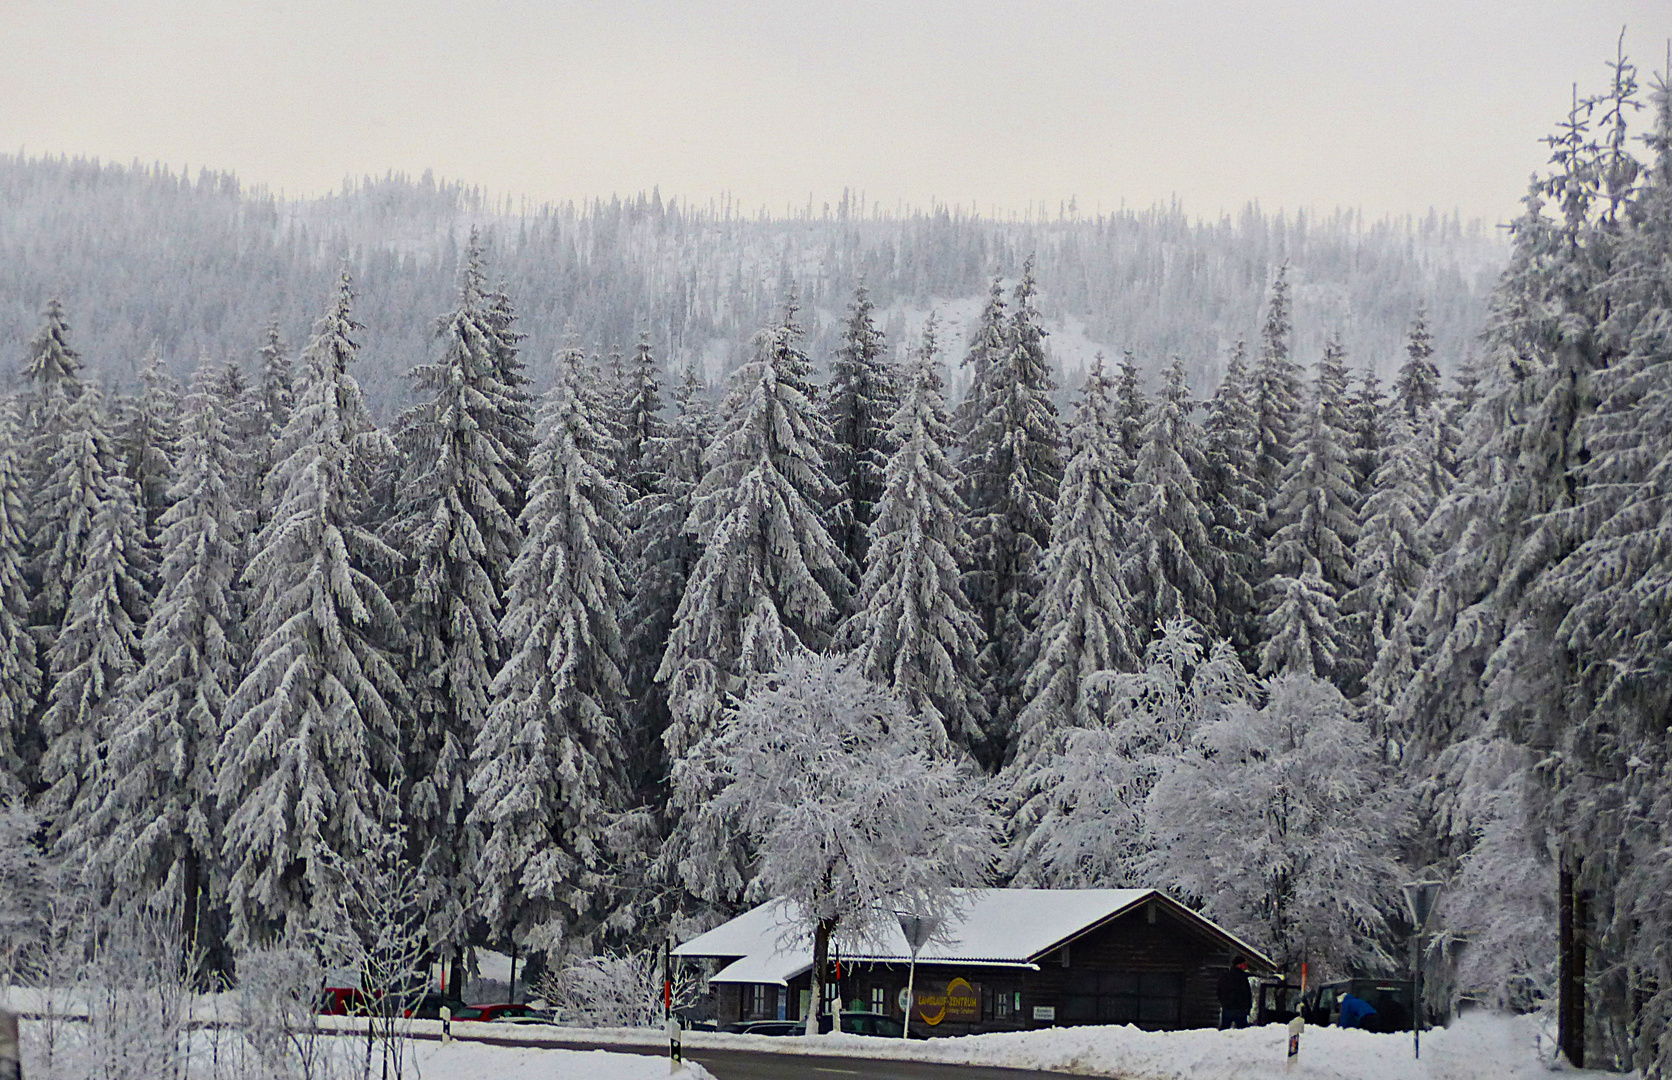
[
  {"x": 821, "y": 960},
  {"x": 1570, "y": 974},
  {"x": 191, "y": 914}
]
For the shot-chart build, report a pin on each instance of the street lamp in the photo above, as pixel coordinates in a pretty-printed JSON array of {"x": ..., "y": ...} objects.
[
  {"x": 918, "y": 930},
  {"x": 1419, "y": 904}
]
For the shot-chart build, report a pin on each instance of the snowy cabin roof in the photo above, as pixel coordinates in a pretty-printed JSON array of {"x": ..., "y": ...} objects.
[{"x": 994, "y": 928}]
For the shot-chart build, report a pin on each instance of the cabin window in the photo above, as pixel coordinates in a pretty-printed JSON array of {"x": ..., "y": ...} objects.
[
  {"x": 758, "y": 1007},
  {"x": 879, "y": 999}
]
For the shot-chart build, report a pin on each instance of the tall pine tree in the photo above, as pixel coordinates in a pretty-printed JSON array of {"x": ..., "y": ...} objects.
[
  {"x": 154, "y": 827},
  {"x": 97, "y": 649},
  {"x": 1235, "y": 508},
  {"x": 20, "y": 674},
  {"x": 860, "y": 404},
  {"x": 452, "y": 525},
  {"x": 1310, "y": 554},
  {"x": 1083, "y": 618},
  {"x": 308, "y": 768},
  {"x": 761, "y": 591},
  {"x": 1014, "y": 465},
  {"x": 662, "y": 553},
  {"x": 1275, "y": 393},
  {"x": 917, "y": 633},
  {"x": 548, "y": 768},
  {"x": 1169, "y": 558}
]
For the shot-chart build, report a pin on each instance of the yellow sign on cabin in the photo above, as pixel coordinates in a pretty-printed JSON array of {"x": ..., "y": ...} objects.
[{"x": 958, "y": 1002}]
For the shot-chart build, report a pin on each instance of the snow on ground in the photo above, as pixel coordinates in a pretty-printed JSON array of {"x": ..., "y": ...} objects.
[
  {"x": 463, "y": 1060},
  {"x": 214, "y": 1058},
  {"x": 1479, "y": 1046}
]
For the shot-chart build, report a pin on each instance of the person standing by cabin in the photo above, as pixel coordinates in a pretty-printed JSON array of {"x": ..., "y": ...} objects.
[{"x": 1235, "y": 998}]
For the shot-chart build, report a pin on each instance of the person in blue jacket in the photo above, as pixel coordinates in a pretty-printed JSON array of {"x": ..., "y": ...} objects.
[{"x": 1355, "y": 1011}]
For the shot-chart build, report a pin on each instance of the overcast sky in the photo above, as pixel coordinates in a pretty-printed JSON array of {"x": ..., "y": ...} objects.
[{"x": 1383, "y": 105}]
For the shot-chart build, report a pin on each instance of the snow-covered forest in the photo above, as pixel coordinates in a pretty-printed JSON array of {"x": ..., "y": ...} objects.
[{"x": 1335, "y": 568}]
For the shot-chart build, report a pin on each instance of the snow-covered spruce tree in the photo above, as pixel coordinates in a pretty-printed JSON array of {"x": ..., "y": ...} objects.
[
  {"x": 661, "y": 555},
  {"x": 1235, "y": 507},
  {"x": 1169, "y": 558},
  {"x": 1309, "y": 558},
  {"x": 452, "y": 527},
  {"x": 1496, "y": 658},
  {"x": 1083, "y": 618},
  {"x": 309, "y": 762},
  {"x": 548, "y": 769},
  {"x": 1390, "y": 558},
  {"x": 1496, "y": 921},
  {"x": 917, "y": 633},
  {"x": 1367, "y": 431},
  {"x": 1014, "y": 466},
  {"x": 277, "y": 387},
  {"x": 1082, "y": 823},
  {"x": 1508, "y": 518},
  {"x": 1611, "y": 797},
  {"x": 51, "y": 373},
  {"x": 1416, "y": 389},
  {"x": 1131, "y": 412},
  {"x": 57, "y": 533},
  {"x": 151, "y": 826},
  {"x": 97, "y": 649},
  {"x": 20, "y": 673},
  {"x": 846, "y": 800},
  {"x": 988, "y": 345},
  {"x": 761, "y": 590},
  {"x": 860, "y": 403},
  {"x": 1435, "y": 421},
  {"x": 1279, "y": 821},
  {"x": 518, "y": 402},
  {"x": 148, "y": 437},
  {"x": 642, "y": 426},
  {"x": 1275, "y": 392},
  {"x": 247, "y": 427}
]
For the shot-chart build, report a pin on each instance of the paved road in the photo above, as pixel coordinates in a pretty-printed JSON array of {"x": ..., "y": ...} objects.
[
  {"x": 731, "y": 1064},
  {"x": 747, "y": 1065}
]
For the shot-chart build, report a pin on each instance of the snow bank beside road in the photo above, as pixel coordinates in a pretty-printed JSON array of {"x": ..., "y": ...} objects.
[
  {"x": 464, "y": 1059},
  {"x": 1479, "y": 1046}
]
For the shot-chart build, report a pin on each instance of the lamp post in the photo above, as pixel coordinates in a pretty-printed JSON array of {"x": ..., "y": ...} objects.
[
  {"x": 918, "y": 930},
  {"x": 1419, "y": 904}
]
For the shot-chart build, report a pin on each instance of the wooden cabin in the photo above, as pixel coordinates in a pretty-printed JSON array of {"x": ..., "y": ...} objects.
[{"x": 1006, "y": 960}]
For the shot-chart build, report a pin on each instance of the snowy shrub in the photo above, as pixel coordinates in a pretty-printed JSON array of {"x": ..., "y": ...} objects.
[
  {"x": 278, "y": 997},
  {"x": 1081, "y": 818},
  {"x": 825, "y": 789},
  {"x": 1280, "y": 823},
  {"x": 615, "y": 990}
]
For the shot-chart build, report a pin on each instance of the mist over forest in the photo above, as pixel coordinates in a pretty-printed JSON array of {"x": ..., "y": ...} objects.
[{"x": 196, "y": 266}]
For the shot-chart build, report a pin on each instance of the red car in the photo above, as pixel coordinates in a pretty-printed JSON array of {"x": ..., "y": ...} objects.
[
  {"x": 493, "y": 1013},
  {"x": 343, "y": 1001}
]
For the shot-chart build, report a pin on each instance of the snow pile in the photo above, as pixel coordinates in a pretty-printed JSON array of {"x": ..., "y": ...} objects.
[
  {"x": 465, "y": 1059},
  {"x": 1477, "y": 1047},
  {"x": 1480, "y": 1046}
]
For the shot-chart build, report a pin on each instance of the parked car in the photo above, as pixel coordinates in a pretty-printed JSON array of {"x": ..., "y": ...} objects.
[
  {"x": 343, "y": 1001},
  {"x": 429, "y": 1008},
  {"x": 504, "y": 1012},
  {"x": 1391, "y": 998},
  {"x": 869, "y": 1023},
  {"x": 768, "y": 1027},
  {"x": 853, "y": 1023}
]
